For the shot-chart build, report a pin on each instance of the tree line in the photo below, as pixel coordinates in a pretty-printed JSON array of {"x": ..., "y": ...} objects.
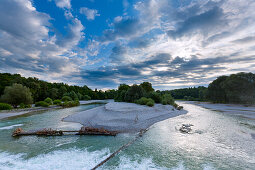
[
  {"x": 236, "y": 88},
  {"x": 40, "y": 90}
]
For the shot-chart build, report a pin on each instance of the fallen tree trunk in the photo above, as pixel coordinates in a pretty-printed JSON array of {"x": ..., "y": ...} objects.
[
  {"x": 120, "y": 149},
  {"x": 50, "y": 132}
]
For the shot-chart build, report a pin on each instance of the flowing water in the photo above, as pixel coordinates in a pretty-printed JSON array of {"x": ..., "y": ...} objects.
[{"x": 218, "y": 141}]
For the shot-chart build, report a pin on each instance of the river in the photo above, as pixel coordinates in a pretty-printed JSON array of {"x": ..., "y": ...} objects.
[{"x": 219, "y": 141}]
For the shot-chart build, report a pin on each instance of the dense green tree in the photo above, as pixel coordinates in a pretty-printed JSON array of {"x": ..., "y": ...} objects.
[
  {"x": 167, "y": 99},
  {"x": 54, "y": 93},
  {"x": 17, "y": 94},
  {"x": 62, "y": 90},
  {"x": 216, "y": 91},
  {"x": 155, "y": 96},
  {"x": 124, "y": 87},
  {"x": 147, "y": 87},
  {"x": 134, "y": 93}
]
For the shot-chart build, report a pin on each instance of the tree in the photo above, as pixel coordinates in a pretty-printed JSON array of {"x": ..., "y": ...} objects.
[
  {"x": 54, "y": 93},
  {"x": 62, "y": 90},
  {"x": 216, "y": 91},
  {"x": 167, "y": 99},
  {"x": 17, "y": 94},
  {"x": 124, "y": 87},
  {"x": 147, "y": 87},
  {"x": 134, "y": 93}
]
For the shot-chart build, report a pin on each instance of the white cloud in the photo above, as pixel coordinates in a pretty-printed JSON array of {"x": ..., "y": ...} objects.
[
  {"x": 63, "y": 3},
  {"x": 26, "y": 44},
  {"x": 89, "y": 13}
]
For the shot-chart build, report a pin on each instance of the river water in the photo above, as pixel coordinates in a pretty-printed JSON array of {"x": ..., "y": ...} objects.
[{"x": 218, "y": 141}]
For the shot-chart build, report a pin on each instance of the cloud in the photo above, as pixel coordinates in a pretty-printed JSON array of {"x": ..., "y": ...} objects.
[
  {"x": 63, "y": 3},
  {"x": 248, "y": 39},
  {"x": 118, "y": 54},
  {"x": 122, "y": 27},
  {"x": 27, "y": 42},
  {"x": 89, "y": 13},
  {"x": 204, "y": 22}
]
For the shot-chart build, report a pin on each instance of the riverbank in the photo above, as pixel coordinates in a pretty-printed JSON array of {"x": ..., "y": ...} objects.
[
  {"x": 17, "y": 112},
  {"x": 124, "y": 117},
  {"x": 234, "y": 109}
]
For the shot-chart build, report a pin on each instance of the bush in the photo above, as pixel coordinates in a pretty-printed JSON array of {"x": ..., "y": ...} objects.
[
  {"x": 57, "y": 102},
  {"x": 175, "y": 105},
  {"x": 17, "y": 94},
  {"x": 86, "y": 97},
  {"x": 155, "y": 96},
  {"x": 70, "y": 103},
  {"x": 150, "y": 103},
  {"x": 42, "y": 104},
  {"x": 49, "y": 101},
  {"x": 66, "y": 98},
  {"x": 22, "y": 106},
  {"x": 164, "y": 102},
  {"x": 168, "y": 99},
  {"x": 142, "y": 101},
  {"x": 5, "y": 106},
  {"x": 145, "y": 101}
]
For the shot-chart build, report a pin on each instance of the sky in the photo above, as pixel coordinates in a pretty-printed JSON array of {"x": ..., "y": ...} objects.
[{"x": 102, "y": 43}]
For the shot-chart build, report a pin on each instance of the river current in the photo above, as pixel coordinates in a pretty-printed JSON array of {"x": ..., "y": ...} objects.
[{"x": 218, "y": 141}]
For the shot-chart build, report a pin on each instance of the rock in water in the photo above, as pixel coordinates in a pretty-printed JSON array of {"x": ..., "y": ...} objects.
[{"x": 186, "y": 128}]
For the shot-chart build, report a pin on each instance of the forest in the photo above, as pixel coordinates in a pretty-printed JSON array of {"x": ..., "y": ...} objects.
[{"x": 236, "y": 88}]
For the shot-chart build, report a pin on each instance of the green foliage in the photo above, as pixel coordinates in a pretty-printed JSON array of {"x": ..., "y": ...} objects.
[
  {"x": 175, "y": 105},
  {"x": 145, "y": 101},
  {"x": 86, "y": 97},
  {"x": 168, "y": 99},
  {"x": 41, "y": 89},
  {"x": 17, "y": 94},
  {"x": 70, "y": 103},
  {"x": 155, "y": 96},
  {"x": 134, "y": 93},
  {"x": 54, "y": 93},
  {"x": 49, "y": 101},
  {"x": 61, "y": 91},
  {"x": 164, "y": 102},
  {"x": 123, "y": 87},
  {"x": 5, "y": 106},
  {"x": 79, "y": 95},
  {"x": 192, "y": 93},
  {"x": 57, "y": 102},
  {"x": 236, "y": 88},
  {"x": 142, "y": 101},
  {"x": 150, "y": 103},
  {"x": 23, "y": 106},
  {"x": 42, "y": 104},
  {"x": 120, "y": 97},
  {"x": 66, "y": 98},
  {"x": 147, "y": 87}
]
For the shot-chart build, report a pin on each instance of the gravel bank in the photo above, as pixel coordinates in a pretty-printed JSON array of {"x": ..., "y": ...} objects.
[{"x": 124, "y": 117}]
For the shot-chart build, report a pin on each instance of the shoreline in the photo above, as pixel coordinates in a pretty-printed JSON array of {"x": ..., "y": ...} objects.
[
  {"x": 232, "y": 109},
  {"x": 5, "y": 114},
  {"x": 124, "y": 117}
]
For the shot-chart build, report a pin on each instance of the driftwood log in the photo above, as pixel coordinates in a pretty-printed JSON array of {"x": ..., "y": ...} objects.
[
  {"x": 120, "y": 149},
  {"x": 51, "y": 132}
]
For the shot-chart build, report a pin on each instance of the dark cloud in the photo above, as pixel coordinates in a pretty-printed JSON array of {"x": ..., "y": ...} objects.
[
  {"x": 248, "y": 39},
  {"x": 118, "y": 54},
  {"x": 203, "y": 22},
  {"x": 125, "y": 27}
]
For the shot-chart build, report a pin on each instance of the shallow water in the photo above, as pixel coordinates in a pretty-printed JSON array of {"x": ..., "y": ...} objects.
[{"x": 218, "y": 141}]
